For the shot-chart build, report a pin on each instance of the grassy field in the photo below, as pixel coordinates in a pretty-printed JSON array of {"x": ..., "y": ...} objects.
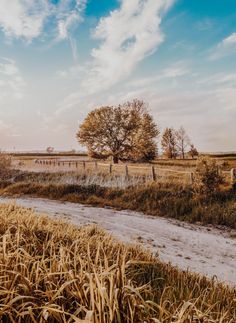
[
  {"x": 55, "y": 272},
  {"x": 165, "y": 171},
  {"x": 166, "y": 200}
]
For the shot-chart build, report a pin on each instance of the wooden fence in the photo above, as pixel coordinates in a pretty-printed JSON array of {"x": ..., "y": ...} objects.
[{"x": 151, "y": 172}]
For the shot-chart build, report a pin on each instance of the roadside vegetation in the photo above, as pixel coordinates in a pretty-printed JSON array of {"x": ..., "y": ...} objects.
[
  {"x": 53, "y": 271},
  {"x": 208, "y": 201},
  {"x": 166, "y": 200}
]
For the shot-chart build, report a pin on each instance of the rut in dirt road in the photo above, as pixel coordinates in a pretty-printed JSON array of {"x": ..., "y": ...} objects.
[{"x": 203, "y": 250}]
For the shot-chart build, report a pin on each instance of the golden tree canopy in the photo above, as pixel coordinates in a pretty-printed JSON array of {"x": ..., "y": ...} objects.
[{"x": 126, "y": 131}]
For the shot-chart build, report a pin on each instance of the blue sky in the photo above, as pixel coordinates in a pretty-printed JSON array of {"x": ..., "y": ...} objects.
[{"x": 60, "y": 59}]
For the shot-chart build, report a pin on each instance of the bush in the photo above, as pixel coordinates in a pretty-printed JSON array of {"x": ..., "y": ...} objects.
[
  {"x": 5, "y": 166},
  {"x": 207, "y": 178},
  {"x": 234, "y": 187}
]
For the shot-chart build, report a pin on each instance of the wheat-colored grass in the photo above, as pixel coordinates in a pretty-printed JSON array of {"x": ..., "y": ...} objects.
[{"x": 51, "y": 271}]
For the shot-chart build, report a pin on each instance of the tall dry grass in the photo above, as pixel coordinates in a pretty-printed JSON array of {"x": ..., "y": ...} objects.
[
  {"x": 51, "y": 271},
  {"x": 166, "y": 200}
]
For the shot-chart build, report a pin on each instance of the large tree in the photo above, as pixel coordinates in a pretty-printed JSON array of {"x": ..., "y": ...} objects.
[
  {"x": 169, "y": 143},
  {"x": 182, "y": 141},
  {"x": 126, "y": 131}
]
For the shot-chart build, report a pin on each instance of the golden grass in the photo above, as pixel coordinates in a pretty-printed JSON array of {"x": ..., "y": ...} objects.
[
  {"x": 166, "y": 200},
  {"x": 51, "y": 271}
]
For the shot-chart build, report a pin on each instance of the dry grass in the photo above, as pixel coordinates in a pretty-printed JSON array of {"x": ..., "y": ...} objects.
[
  {"x": 5, "y": 166},
  {"x": 73, "y": 178},
  {"x": 167, "y": 200},
  {"x": 55, "y": 272}
]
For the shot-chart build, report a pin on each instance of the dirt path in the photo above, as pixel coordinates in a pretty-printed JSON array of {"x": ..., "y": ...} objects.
[{"x": 204, "y": 250}]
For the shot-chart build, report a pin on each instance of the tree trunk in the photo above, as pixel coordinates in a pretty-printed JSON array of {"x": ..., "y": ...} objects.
[{"x": 115, "y": 159}]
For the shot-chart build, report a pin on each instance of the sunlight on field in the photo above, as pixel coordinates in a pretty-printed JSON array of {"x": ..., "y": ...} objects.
[
  {"x": 51, "y": 270},
  {"x": 176, "y": 171}
]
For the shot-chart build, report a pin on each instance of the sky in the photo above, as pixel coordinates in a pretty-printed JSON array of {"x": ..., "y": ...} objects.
[{"x": 59, "y": 59}]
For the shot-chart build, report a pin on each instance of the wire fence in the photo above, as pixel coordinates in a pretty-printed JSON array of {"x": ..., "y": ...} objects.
[{"x": 148, "y": 171}]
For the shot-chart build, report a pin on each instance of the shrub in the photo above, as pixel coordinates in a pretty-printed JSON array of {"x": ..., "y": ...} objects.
[
  {"x": 207, "y": 178},
  {"x": 5, "y": 166},
  {"x": 234, "y": 187}
]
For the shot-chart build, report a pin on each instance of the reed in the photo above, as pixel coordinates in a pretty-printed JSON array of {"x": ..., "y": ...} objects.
[{"x": 51, "y": 271}]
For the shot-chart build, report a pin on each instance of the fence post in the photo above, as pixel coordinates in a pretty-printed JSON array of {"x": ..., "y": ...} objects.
[
  {"x": 95, "y": 166},
  {"x": 110, "y": 168},
  {"x": 126, "y": 171},
  {"x": 84, "y": 165},
  {"x": 191, "y": 178},
  {"x": 153, "y": 173},
  {"x": 76, "y": 164},
  {"x": 233, "y": 175}
]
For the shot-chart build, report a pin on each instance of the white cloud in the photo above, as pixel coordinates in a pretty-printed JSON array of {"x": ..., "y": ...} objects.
[
  {"x": 230, "y": 40},
  {"x": 19, "y": 18},
  {"x": 176, "y": 70},
  {"x": 12, "y": 83},
  {"x": 225, "y": 48},
  {"x": 219, "y": 79},
  {"x": 69, "y": 13},
  {"x": 173, "y": 72},
  {"x": 127, "y": 36},
  {"x": 27, "y": 18}
]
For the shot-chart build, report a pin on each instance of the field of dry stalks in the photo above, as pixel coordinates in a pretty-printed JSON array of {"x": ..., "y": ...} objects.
[{"x": 51, "y": 271}]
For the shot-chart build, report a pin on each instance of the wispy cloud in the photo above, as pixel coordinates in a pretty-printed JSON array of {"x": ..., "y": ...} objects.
[
  {"x": 28, "y": 18},
  {"x": 12, "y": 83},
  {"x": 128, "y": 35},
  {"x": 225, "y": 48},
  {"x": 173, "y": 72},
  {"x": 23, "y": 18},
  {"x": 230, "y": 40}
]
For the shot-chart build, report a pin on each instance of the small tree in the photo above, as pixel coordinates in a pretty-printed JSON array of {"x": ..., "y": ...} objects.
[
  {"x": 207, "y": 178},
  {"x": 50, "y": 150},
  {"x": 182, "y": 141},
  {"x": 169, "y": 144},
  {"x": 193, "y": 151},
  {"x": 124, "y": 132}
]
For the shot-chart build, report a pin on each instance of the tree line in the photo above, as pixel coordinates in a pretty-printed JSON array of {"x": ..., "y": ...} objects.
[
  {"x": 128, "y": 132},
  {"x": 176, "y": 143}
]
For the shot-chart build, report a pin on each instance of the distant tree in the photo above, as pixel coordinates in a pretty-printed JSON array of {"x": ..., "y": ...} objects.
[
  {"x": 182, "y": 141},
  {"x": 169, "y": 143},
  {"x": 193, "y": 151},
  {"x": 50, "y": 150},
  {"x": 126, "y": 131}
]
